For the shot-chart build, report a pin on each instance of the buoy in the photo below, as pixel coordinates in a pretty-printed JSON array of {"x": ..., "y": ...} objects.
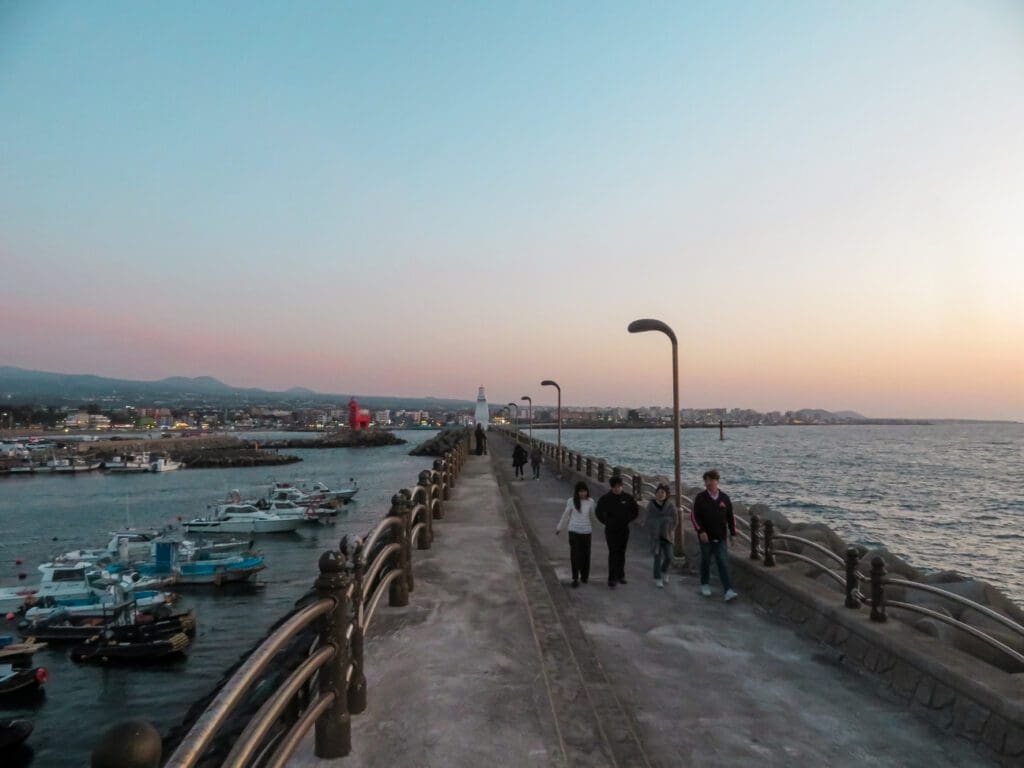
[
  {"x": 18, "y": 561},
  {"x": 42, "y": 675},
  {"x": 22, "y": 575},
  {"x": 10, "y": 616}
]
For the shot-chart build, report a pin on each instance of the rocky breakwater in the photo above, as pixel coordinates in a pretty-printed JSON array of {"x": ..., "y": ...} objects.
[
  {"x": 442, "y": 442},
  {"x": 192, "y": 452},
  {"x": 349, "y": 438}
]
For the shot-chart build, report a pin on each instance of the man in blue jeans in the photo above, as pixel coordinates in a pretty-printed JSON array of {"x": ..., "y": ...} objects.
[{"x": 713, "y": 519}]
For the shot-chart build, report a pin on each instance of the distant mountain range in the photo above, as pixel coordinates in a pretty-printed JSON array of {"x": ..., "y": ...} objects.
[{"x": 21, "y": 385}]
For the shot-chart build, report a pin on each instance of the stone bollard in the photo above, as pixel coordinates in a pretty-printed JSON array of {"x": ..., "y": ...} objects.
[
  {"x": 579, "y": 462},
  {"x": 755, "y": 533},
  {"x": 769, "y": 543},
  {"x": 638, "y": 487},
  {"x": 590, "y": 467},
  {"x": 852, "y": 582},
  {"x": 600, "y": 470},
  {"x": 441, "y": 470},
  {"x": 334, "y": 727},
  {"x": 398, "y": 593},
  {"x": 132, "y": 744},
  {"x": 878, "y": 590},
  {"x": 423, "y": 493},
  {"x": 357, "y": 683}
]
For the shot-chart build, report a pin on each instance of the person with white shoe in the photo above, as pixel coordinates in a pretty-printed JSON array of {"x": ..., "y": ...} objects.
[
  {"x": 713, "y": 520},
  {"x": 660, "y": 524}
]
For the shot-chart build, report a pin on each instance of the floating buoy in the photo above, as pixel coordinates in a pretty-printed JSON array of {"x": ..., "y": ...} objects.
[
  {"x": 42, "y": 675},
  {"x": 10, "y": 616},
  {"x": 18, "y": 561},
  {"x": 22, "y": 575}
]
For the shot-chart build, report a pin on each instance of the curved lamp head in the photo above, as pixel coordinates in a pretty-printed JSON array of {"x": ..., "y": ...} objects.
[
  {"x": 639, "y": 326},
  {"x": 550, "y": 383},
  {"x": 527, "y": 397}
]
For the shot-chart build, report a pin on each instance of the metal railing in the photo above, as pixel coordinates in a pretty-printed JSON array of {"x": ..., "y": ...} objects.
[
  {"x": 328, "y": 684},
  {"x": 763, "y": 547}
]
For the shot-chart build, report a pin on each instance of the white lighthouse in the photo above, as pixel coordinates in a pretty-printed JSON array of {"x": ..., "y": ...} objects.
[{"x": 482, "y": 415}]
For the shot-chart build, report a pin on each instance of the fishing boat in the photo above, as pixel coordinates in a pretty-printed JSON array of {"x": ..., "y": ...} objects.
[
  {"x": 310, "y": 494},
  {"x": 128, "y": 624},
  {"x": 241, "y": 518},
  {"x": 105, "y": 650},
  {"x": 74, "y": 583},
  {"x": 134, "y": 463},
  {"x": 97, "y": 605},
  {"x": 70, "y": 466},
  {"x": 227, "y": 568},
  {"x": 14, "y": 731},
  {"x": 18, "y": 654},
  {"x": 17, "y": 683}
]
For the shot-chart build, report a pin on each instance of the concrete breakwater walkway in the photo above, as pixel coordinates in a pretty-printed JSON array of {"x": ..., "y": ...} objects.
[{"x": 497, "y": 661}]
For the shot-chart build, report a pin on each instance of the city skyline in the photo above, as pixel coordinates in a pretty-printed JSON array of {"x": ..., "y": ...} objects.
[{"x": 822, "y": 201}]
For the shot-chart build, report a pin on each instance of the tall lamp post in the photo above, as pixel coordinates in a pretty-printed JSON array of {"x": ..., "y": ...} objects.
[
  {"x": 550, "y": 383},
  {"x": 639, "y": 326},
  {"x": 516, "y": 406},
  {"x": 529, "y": 414}
]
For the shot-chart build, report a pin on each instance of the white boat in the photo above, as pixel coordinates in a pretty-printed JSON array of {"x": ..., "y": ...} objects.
[
  {"x": 97, "y": 604},
  {"x": 70, "y": 466},
  {"x": 289, "y": 510},
  {"x": 313, "y": 493},
  {"x": 158, "y": 463},
  {"x": 68, "y": 581},
  {"x": 137, "y": 462},
  {"x": 241, "y": 518}
]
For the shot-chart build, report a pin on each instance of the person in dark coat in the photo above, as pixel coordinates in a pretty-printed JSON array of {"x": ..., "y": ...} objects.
[
  {"x": 519, "y": 461},
  {"x": 714, "y": 522},
  {"x": 481, "y": 440},
  {"x": 616, "y": 510}
]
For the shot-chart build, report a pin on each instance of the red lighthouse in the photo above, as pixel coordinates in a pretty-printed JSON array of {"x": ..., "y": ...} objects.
[{"x": 357, "y": 419}]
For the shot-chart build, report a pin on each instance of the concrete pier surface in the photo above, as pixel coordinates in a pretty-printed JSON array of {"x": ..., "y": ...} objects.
[{"x": 497, "y": 661}]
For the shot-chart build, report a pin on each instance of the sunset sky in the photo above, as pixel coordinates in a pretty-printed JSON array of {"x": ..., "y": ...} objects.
[{"x": 825, "y": 200}]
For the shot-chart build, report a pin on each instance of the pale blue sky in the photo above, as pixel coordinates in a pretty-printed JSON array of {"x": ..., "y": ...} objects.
[{"x": 828, "y": 194}]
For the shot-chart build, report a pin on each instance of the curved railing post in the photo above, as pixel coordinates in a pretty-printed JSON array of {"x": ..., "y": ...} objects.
[
  {"x": 590, "y": 467},
  {"x": 579, "y": 462},
  {"x": 769, "y": 543},
  {"x": 398, "y": 592},
  {"x": 600, "y": 470},
  {"x": 334, "y": 726},
  {"x": 638, "y": 487},
  {"x": 357, "y": 683},
  {"x": 755, "y": 533},
  {"x": 852, "y": 580},
  {"x": 133, "y": 744},
  {"x": 878, "y": 590},
  {"x": 428, "y": 517}
]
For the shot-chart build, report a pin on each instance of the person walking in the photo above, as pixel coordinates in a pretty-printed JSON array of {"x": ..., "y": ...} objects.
[
  {"x": 536, "y": 457},
  {"x": 712, "y": 519},
  {"x": 481, "y": 439},
  {"x": 616, "y": 510},
  {"x": 577, "y": 516},
  {"x": 660, "y": 524},
  {"x": 519, "y": 461}
]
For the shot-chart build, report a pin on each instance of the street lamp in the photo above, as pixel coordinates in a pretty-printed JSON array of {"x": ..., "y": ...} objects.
[
  {"x": 550, "y": 383},
  {"x": 516, "y": 406},
  {"x": 529, "y": 414},
  {"x": 640, "y": 326}
]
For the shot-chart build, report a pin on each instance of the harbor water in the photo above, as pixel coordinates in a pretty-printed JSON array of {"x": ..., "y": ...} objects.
[
  {"x": 944, "y": 496},
  {"x": 45, "y": 515}
]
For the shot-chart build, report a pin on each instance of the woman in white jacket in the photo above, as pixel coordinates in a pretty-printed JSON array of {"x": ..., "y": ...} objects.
[{"x": 578, "y": 515}]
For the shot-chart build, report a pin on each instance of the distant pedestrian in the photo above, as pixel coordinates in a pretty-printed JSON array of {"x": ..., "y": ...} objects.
[
  {"x": 660, "y": 524},
  {"x": 536, "y": 457},
  {"x": 577, "y": 515},
  {"x": 481, "y": 440},
  {"x": 713, "y": 519},
  {"x": 616, "y": 510},
  {"x": 519, "y": 461}
]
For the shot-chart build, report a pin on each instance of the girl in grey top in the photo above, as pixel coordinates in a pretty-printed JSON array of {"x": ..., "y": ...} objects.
[{"x": 660, "y": 525}]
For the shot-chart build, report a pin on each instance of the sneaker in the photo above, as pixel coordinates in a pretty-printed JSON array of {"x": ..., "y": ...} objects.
[
  {"x": 664, "y": 578},
  {"x": 731, "y": 595},
  {"x": 583, "y": 580},
  {"x": 659, "y": 583},
  {"x": 575, "y": 584},
  {"x": 705, "y": 590},
  {"x": 611, "y": 585},
  {"x": 623, "y": 581}
]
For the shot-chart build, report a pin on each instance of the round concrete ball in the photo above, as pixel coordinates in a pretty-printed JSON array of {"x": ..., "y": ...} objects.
[
  {"x": 396, "y": 499},
  {"x": 132, "y": 744}
]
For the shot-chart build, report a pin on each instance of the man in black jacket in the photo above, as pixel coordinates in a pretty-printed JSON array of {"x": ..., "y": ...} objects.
[
  {"x": 712, "y": 518},
  {"x": 616, "y": 510}
]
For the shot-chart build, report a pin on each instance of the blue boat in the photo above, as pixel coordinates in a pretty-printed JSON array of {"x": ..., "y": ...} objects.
[{"x": 224, "y": 569}]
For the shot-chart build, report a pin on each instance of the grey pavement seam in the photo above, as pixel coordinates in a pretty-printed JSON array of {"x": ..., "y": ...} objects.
[{"x": 570, "y": 660}]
